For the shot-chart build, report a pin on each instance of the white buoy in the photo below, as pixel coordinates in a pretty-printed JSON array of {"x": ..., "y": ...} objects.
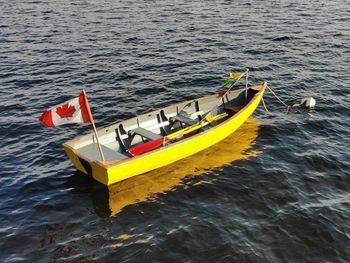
[{"x": 308, "y": 102}]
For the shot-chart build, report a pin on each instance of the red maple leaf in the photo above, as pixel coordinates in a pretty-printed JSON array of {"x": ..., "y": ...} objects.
[{"x": 66, "y": 110}]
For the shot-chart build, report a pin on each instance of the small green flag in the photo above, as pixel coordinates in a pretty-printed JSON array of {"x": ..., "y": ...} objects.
[
  {"x": 234, "y": 77},
  {"x": 229, "y": 83}
]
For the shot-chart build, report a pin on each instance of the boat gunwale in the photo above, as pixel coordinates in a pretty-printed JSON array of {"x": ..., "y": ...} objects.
[
  {"x": 116, "y": 163},
  {"x": 75, "y": 141}
]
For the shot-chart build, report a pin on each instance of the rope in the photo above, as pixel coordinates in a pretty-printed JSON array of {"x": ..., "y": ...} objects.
[
  {"x": 278, "y": 98},
  {"x": 262, "y": 99}
]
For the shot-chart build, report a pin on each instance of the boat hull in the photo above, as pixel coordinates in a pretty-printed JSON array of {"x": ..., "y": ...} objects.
[{"x": 112, "y": 172}]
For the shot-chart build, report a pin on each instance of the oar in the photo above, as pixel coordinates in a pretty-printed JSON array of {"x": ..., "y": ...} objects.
[
  {"x": 149, "y": 146},
  {"x": 196, "y": 126}
]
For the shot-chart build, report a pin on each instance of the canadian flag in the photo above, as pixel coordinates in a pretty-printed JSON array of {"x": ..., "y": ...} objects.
[{"x": 76, "y": 110}]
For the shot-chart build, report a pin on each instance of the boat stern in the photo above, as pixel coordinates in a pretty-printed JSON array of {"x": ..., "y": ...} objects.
[
  {"x": 74, "y": 157},
  {"x": 97, "y": 169}
]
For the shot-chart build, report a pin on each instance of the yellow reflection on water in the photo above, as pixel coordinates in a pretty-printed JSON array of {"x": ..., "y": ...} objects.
[{"x": 144, "y": 187}]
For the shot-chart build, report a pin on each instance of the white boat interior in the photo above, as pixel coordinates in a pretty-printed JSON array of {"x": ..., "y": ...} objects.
[{"x": 118, "y": 138}]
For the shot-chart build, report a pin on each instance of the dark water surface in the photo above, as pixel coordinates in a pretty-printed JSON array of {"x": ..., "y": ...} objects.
[{"x": 276, "y": 191}]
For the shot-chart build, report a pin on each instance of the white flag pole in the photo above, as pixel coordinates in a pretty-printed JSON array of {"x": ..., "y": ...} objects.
[
  {"x": 246, "y": 83},
  {"x": 93, "y": 124}
]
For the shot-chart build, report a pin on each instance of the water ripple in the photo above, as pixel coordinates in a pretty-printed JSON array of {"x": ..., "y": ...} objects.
[{"x": 276, "y": 191}]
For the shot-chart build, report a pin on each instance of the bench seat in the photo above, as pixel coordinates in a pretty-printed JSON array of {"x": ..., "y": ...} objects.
[
  {"x": 184, "y": 119},
  {"x": 92, "y": 152},
  {"x": 145, "y": 134}
]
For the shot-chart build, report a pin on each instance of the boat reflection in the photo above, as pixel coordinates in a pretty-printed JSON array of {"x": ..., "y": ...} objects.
[{"x": 145, "y": 187}]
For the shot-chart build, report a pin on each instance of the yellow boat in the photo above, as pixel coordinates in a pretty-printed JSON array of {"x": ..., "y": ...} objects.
[{"x": 161, "y": 137}]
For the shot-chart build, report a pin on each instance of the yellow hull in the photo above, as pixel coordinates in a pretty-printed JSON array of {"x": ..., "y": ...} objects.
[
  {"x": 236, "y": 146},
  {"x": 111, "y": 172}
]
